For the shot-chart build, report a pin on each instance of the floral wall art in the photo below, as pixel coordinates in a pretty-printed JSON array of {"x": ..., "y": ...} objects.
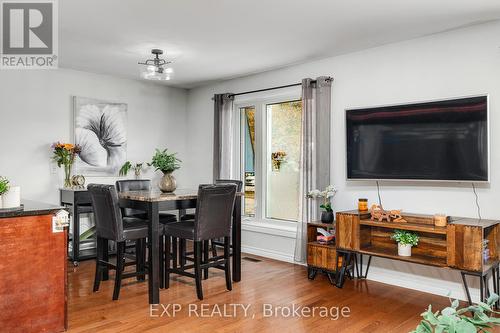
[{"x": 100, "y": 129}]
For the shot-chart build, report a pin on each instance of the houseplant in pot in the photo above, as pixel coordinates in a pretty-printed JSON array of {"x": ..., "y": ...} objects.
[
  {"x": 137, "y": 167},
  {"x": 406, "y": 240},
  {"x": 166, "y": 163},
  {"x": 4, "y": 187},
  {"x": 326, "y": 195}
]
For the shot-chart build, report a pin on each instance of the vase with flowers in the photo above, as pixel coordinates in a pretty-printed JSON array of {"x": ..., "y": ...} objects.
[
  {"x": 326, "y": 195},
  {"x": 64, "y": 155}
]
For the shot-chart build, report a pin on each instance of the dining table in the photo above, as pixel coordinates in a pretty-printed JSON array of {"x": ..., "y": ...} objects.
[{"x": 155, "y": 201}]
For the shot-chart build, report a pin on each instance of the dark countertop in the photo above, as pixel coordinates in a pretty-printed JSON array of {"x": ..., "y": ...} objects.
[{"x": 31, "y": 208}]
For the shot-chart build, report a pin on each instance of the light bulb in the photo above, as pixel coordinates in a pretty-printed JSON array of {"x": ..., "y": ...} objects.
[{"x": 168, "y": 70}]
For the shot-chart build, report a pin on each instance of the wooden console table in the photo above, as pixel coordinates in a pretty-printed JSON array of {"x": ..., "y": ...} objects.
[{"x": 458, "y": 246}]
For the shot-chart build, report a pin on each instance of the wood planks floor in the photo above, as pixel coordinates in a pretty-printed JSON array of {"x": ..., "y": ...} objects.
[{"x": 374, "y": 307}]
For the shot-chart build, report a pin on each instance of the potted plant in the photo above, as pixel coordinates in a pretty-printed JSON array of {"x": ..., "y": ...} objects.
[
  {"x": 406, "y": 240},
  {"x": 326, "y": 195},
  {"x": 64, "y": 155},
  {"x": 4, "y": 187},
  {"x": 453, "y": 319},
  {"x": 127, "y": 166},
  {"x": 166, "y": 163}
]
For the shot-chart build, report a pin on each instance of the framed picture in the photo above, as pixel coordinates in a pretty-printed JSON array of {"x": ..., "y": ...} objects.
[{"x": 100, "y": 128}]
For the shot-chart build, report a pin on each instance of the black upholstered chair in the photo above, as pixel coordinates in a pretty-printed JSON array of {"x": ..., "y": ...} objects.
[
  {"x": 145, "y": 185},
  {"x": 214, "y": 210},
  {"x": 214, "y": 243},
  {"x": 111, "y": 225},
  {"x": 141, "y": 185}
]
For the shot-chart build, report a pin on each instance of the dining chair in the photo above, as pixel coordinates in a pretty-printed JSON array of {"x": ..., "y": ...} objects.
[
  {"x": 112, "y": 225},
  {"x": 214, "y": 211},
  {"x": 145, "y": 185},
  {"x": 213, "y": 243}
]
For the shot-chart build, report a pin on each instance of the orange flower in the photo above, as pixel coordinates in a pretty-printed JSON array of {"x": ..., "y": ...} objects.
[{"x": 68, "y": 146}]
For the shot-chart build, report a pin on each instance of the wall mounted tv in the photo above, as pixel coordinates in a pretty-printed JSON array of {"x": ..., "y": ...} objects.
[{"x": 443, "y": 140}]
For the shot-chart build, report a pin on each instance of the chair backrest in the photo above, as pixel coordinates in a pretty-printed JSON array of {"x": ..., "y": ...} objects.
[
  {"x": 108, "y": 216},
  {"x": 133, "y": 185},
  {"x": 238, "y": 183},
  {"x": 214, "y": 210}
]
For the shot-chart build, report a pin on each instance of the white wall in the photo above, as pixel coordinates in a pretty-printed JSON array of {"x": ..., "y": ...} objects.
[
  {"x": 36, "y": 110},
  {"x": 456, "y": 63}
]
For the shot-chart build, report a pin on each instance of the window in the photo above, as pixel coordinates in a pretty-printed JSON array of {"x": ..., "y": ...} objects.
[{"x": 269, "y": 158}]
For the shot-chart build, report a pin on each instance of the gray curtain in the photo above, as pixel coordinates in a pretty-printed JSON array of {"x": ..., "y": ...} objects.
[
  {"x": 315, "y": 154},
  {"x": 223, "y": 136}
]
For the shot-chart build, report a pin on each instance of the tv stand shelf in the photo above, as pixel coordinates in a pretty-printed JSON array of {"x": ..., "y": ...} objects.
[
  {"x": 406, "y": 226},
  {"x": 458, "y": 246}
]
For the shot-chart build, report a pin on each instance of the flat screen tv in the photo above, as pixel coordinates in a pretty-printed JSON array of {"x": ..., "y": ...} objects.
[{"x": 444, "y": 141}]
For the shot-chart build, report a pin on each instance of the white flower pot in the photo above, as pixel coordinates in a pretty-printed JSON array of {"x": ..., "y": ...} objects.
[
  {"x": 12, "y": 198},
  {"x": 404, "y": 250}
]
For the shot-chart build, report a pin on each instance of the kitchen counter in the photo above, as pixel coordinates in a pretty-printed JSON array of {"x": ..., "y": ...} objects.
[{"x": 30, "y": 208}]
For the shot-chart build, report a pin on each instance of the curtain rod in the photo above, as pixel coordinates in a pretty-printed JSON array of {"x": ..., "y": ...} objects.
[{"x": 273, "y": 88}]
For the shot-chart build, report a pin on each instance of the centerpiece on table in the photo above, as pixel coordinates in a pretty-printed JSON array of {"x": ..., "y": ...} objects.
[
  {"x": 166, "y": 163},
  {"x": 327, "y": 194},
  {"x": 64, "y": 155}
]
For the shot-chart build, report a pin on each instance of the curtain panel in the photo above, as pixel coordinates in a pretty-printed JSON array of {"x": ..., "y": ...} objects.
[
  {"x": 223, "y": 136},
  {"x": 314, "y": 166}
]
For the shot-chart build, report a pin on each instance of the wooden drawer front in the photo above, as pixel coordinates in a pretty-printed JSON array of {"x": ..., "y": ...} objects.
[
  {"x": 347, "y": 231},
  {"x": 465, "y": 247},
  {"x": 321, "y": 256}
]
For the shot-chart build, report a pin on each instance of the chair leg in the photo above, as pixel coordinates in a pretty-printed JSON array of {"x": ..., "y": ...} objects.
[
  {"x": 98, "y": 274},
  {"x": 205, "y": 259},
  {"x": 120, "y": 259},
  {"x": 139, "y": 258},
  {"x": 182, "y": 252},
  {"x": 214, "y": 248},
  {"x": 227, "y": 268},
  {"x": 162, "y": 261},
  {"x": 167, "y": 262},
  {"x": 174, "y": 252},
  {"x": 197, "y": 268}
]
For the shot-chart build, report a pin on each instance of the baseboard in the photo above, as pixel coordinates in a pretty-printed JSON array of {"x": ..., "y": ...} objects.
[{"x": 268, "y": 253}]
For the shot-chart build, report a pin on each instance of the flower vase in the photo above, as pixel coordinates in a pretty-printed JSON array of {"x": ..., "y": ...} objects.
[
  {"x": 167, "y": 183},
  {"x": 67, "y": 175},
  {"x": 327, "y": 217}
]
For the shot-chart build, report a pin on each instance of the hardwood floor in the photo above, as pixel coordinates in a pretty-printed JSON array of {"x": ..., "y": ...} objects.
[{"x": 374, "y": 307}]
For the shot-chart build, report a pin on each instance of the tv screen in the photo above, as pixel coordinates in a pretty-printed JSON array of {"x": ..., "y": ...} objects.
[{"x": 445, "y": 140}]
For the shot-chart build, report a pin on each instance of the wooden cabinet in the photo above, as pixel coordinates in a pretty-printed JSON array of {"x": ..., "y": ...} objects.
[
  {"x": 33, "y": 284},
  {"x": 347, "y": 235},
  {"x": 320, "y": 256},
  {"x": 458, "y": 245}
]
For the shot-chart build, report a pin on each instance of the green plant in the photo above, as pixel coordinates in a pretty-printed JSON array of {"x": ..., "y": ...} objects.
[
  {"x": 165, "y": 162},
  {"x": 4, "y": 185},
  {"x": 405, "y": 237},
  {"x": 453, "y": 319},
  {"x": 127, "y": 166}
]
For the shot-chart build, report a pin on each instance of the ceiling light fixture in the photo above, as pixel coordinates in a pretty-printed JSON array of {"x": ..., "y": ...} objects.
[{"x": 155, "y": 68}]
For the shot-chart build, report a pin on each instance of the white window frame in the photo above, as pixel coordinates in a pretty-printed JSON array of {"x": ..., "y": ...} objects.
[{"x": 260, "y": 103}]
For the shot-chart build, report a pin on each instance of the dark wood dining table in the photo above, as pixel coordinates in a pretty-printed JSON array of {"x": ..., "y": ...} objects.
[{"x": 155, "y": 201}]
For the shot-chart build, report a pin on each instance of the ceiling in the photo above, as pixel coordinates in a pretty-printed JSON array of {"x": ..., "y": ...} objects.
[{"x": 212, "y": 40}]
